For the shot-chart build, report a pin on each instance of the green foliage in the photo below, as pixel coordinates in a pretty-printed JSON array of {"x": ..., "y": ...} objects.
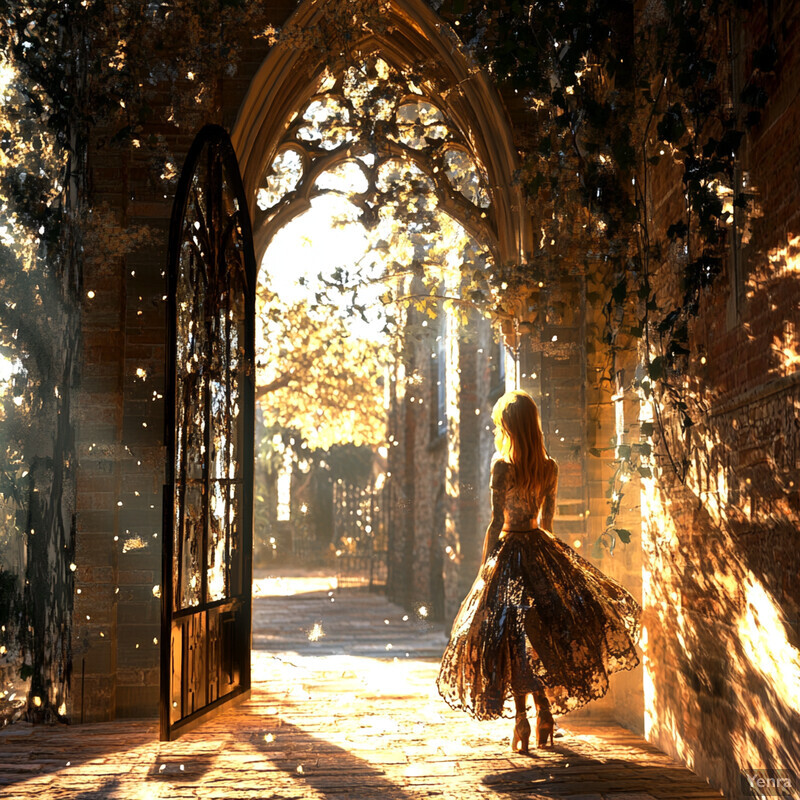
[
  {"x": 422, "y": 208},
  {"x": 606, "y": 103},
  {"x": 316, "y": 376}
]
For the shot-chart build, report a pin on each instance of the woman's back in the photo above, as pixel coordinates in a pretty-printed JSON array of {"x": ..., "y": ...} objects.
[{"x": 519, "y": 511}]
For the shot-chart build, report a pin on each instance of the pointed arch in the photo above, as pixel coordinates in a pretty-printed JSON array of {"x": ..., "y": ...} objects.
[{"x": 414, "y": 34}]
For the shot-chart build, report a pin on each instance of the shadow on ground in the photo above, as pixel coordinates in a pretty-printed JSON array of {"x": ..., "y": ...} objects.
[{"x": 561, "y": 772}]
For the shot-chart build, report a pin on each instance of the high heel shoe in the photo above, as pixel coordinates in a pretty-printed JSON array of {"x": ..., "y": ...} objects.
[
  {"x": 544, "y": 726},
  {"x": 522, "y": 734}
]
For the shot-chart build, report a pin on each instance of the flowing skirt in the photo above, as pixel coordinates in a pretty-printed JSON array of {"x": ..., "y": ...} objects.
[{"x": 539, "y": 618}]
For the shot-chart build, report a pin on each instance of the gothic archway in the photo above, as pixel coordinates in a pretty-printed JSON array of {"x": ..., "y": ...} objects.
[
  {"x": 282, "y": 160},
  {"x": 411, "y": 34}
]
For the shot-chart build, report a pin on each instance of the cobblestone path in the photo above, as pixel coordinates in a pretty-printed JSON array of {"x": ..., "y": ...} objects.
[{"x": 343, "y": 708}]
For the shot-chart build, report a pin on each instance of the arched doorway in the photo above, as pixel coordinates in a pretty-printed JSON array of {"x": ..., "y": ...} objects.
[{"x": 446, "y": 136}]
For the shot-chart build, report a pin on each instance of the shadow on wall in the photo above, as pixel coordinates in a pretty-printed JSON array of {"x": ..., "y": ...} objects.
[{"x": 722, "y": 559}]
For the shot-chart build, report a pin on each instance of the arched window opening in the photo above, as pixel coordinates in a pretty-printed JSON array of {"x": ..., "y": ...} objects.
[
  {"x": 371, "y": 205},
  {"x": 392, "y": 148}
]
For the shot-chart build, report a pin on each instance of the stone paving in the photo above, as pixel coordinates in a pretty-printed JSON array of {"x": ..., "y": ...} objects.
[{"x": 343, "y": 708}]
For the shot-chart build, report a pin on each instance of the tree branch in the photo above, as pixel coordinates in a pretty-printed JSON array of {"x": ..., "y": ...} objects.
[{"x": 273, "y": 386}]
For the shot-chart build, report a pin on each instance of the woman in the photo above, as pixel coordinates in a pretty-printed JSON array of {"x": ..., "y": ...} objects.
[{"x": 539, "y": 620}]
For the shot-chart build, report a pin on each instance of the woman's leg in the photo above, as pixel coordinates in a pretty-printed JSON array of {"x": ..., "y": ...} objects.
[
  {"x": 544, "y": 719},
  {"x": 522, "y": 728}
]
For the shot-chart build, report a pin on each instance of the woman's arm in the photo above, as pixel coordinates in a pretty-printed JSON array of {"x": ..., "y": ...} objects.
[
  {"x": 498, "y": 488},
  {"x": 549, "y": 504}
]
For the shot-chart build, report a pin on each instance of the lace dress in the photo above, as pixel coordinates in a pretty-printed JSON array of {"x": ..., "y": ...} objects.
[{"x": 539, "y": 617}]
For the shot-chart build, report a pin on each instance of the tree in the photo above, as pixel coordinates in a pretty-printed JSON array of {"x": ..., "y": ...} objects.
[
  {"x": 384, "y": 159},
  {"x": 316, "y": 376}
]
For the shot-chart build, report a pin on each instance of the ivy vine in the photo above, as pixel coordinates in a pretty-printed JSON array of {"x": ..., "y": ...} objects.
[{"x": 615, "y": 99}]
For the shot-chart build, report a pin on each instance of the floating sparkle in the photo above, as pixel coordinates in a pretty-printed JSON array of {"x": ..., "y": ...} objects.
[{"x": 316, "y": 633}]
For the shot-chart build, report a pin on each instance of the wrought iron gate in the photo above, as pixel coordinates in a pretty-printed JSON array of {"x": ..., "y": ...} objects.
[
  {"x": 360, "y": 530},
  {"x": 208, "y": 496}
]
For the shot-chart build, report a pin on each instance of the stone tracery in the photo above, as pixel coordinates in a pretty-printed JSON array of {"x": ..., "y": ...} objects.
[{"x": 372, "y": 134}]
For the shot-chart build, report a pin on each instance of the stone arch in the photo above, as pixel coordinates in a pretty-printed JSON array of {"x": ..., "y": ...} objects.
[{"x": 414, "y": 34}]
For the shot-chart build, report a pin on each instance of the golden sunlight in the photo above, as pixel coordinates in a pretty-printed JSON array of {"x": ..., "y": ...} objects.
[
  {"x": 8, "y": 366},
  {"x": 762, "y": 632},
  {"x": 326, "y": 236},
  {"x": 7, "y": 75},
  {"x": 787, "y": 347},
  {"x": 786, "y": 260}
]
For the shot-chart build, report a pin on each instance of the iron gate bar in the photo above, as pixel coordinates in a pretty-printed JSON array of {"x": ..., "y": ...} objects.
[
  {"x": 234, "y": 602},
  {"x": 227, "y": 286}
]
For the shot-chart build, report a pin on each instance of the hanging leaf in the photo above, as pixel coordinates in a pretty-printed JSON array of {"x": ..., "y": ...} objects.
[
  {"x": 671, "y": 126},
  {"x": 655, "y": 369},
  {"x": 620, "y": 292},
  {"x": 677, "y": 230},
  {"x": 765, "y": 59}
]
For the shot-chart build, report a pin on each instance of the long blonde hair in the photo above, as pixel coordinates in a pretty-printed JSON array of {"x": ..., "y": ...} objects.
[{"x": 519, "y": 440}]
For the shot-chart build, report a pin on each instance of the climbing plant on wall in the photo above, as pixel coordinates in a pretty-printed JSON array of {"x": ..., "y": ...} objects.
[{"x": 615, "y": 96}]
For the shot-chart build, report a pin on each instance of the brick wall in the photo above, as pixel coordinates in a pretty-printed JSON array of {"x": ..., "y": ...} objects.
[
  {"x": 120, "y": 449},
  {"x": 559, "y": 367},
  {"x": 722, "y": 550},
  {"x": 120, "y": 418}
]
